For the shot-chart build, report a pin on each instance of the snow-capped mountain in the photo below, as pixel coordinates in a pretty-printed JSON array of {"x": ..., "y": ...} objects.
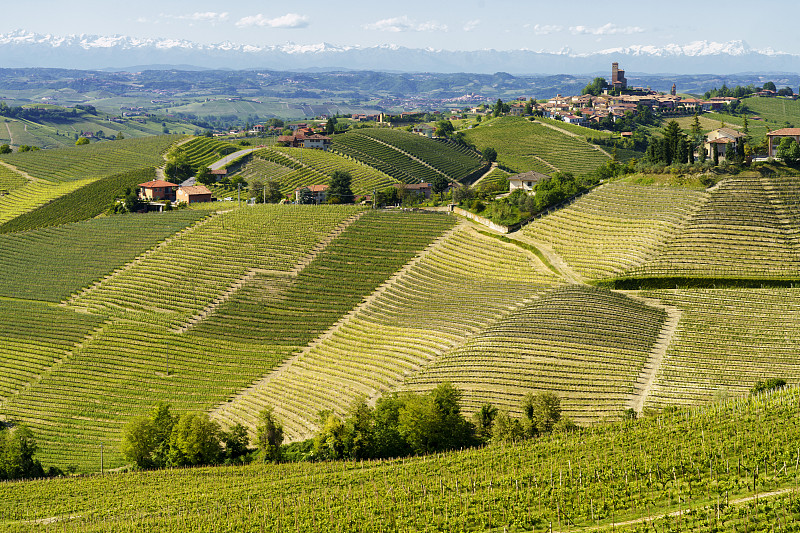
[{"x": 25, "y": 49}]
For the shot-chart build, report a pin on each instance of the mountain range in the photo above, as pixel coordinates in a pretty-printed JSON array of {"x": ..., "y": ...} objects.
[{"x": 25, "y": 49}]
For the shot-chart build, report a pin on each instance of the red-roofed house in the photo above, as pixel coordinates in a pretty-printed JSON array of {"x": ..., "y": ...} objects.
[
  {"x": 774, "y": 138},
  {"x": 157, "y": 190},
  {"x": 193, "y": 194},
  {"x": 319, "y": 192}
]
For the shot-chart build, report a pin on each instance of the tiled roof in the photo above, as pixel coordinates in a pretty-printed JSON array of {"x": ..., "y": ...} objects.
[{"x": 157, "y": 183}]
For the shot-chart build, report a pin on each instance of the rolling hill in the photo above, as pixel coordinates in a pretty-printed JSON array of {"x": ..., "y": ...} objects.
[{"x": 637, "y": 298}]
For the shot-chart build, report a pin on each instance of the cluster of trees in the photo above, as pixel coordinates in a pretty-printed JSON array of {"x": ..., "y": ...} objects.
[
  {"x": 39, "y": 114},
  {"x": 741, "y": 91},
  {"x": 596, "y": 87},
  {"x": 17, "y": 450},
  {"x": 674, "y": 147},
  {"x": 767, "y": 385},
  {"x": 520, "y": 205},
  {"x": 411, "y": 424},
  {"x": 6, "y": 149},
  {"x": 789, "y": 151},
  {"x": 399, "y": 425},
  {"x": 163, "y": 439}
]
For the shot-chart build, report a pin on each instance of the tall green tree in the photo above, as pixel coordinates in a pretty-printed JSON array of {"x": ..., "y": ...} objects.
[
  {"x": 339, "y": 191},
  {"x": 269, "y": 435},
  {"x": 498, "y": 108},
  {"x": 674, "y": 138},
  {"x": 195, "y": 440},
  {"x": 439, "y": 185},
  {"x": 489, "y": 154},
  {"x": 541, "y": 410},
  {"x": 596, "y": 87}
]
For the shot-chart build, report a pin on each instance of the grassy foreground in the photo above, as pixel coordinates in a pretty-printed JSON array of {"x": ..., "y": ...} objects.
[{"x": 687, "y": 462}]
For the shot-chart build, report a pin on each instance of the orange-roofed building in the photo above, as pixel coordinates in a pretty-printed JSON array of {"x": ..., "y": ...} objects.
[
  {"x": 774, "y": 138},
  {"x": 157, "y": 190},
  {"x": 193, "y": 194}
]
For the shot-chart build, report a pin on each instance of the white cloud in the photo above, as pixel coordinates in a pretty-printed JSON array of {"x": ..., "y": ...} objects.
[
  {"x": 606, "y": 29},
  {"x": 545, "y": 29},
  {"x": 208, "y": 16},
  {"x": 471, "y": 24},
  {"x": 289, "y": 20},
  {"x": 403, "y": 24}
]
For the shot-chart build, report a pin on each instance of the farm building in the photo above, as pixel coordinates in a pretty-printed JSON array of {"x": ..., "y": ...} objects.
[
  {"x": 157, "y": 190},
  {"x": 719, "y": 140},
  {"x": 193, "y": 194},
  {"x": 526, "y": 181},
  {"x": 319, "y": 192},
  {"x": 774, "y": 138}
]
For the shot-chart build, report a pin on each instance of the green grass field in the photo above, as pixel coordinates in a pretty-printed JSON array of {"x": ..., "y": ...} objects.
[{"x": 776, "y": 110}]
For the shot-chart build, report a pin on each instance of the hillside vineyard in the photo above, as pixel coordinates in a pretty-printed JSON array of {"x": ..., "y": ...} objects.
[{"x": 646, "y": 297}]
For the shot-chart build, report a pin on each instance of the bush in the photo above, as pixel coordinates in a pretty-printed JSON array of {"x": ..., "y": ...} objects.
[{"x": 767, "y": 385}]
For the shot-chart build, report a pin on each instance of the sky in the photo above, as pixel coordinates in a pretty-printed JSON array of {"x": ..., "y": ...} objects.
[{"x": 580, "y": 26}]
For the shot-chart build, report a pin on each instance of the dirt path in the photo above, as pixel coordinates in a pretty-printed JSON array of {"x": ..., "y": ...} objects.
[
  {"x": 10, "y": 135},
  {"x": 18, "y": 171},
  {"x": 680, "y": 512},
  {"x": 647, "y": 375},
  {"x": 216, "y": 165},
  {"x": 491, "y": 168},
  {"x": 561, "y": 266}
]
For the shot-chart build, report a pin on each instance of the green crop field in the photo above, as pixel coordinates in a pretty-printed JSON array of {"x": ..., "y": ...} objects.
[
  {"x": 93, "y": 160},
  {"x": 36, "y": 194},
  {"x": 417, "y": 316},
  {"x": 523, "y": 146},
  {"x": 586, "y": 345},
  {"x": 10, "y": 180},
  {"x": 776, "y": 110},
  {"x": 747, "y": 229},
  {"x": 89, "y": 201},
  {"x": 707, "y": 470},
  {"x": 615, "y": 227},
  {"x": 50, "y": 264},
  {"x": 649, "y": 297}
]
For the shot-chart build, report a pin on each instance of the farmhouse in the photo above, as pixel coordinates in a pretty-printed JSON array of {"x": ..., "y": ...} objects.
[
  {"x": 526, "y": 181},
  {"x": 193, "y": 194},
  {"x": 157, "y": 190},
  {"x": 417, "y": 188},
  {"x": 720, "y": 139},
  {"x": 319, "y": 193},
  {"x": 774, "y": 138}
]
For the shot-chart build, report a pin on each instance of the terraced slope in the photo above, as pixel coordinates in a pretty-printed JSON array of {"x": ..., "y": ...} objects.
[
  {"x": 383, "y": 157},
  {"x": 585, "y": 344},
  {"x": 137, "y": 357},
  {"x": 202, "y": 151},
  {"x": 291, "y": 310},
  {"x": 616, "y": 227},
  {"x": 365, "y": 178},
  {"x": 601, "y": 478},
  {"x": 748, "y": 229},
  {"x": 523, "y": 146},
  {"x": 454, "y": 160},
  {"x": 93, "y": 160},
  {"x": 184, "y": 276},
  {"x": 89, "y": 201},
  {"x": 10, "y": 180},
  {"x": 33, "y": 337},
  {"x": 50, "y": 264},
  {"x": 35, "y": 194},
  {"x": 461, "y": 283},
  {"x": 727, "y": 339}
]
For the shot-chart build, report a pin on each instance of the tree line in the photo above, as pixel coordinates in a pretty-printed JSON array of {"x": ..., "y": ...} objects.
[
  {"x": 17, "y": 450},
  {"x": 399, "y": 425}
]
